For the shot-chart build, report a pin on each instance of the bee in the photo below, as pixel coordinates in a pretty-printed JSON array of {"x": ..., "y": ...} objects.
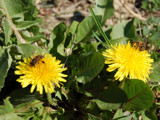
[
  {"x": 36, "y": 59},
  {"x": 139, "y": 45}
]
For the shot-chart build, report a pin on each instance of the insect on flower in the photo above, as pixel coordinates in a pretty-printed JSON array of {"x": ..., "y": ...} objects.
[
  {"x": 36, "y": 59},
  {"x": 130, "y": 62},
  {"x": 42, "y": 71},
  {"x": 139, "y": 45}
]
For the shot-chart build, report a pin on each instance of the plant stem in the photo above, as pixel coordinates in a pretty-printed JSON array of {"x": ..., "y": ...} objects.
[
  {"x": 50, "y": 100},
  {"x": 99, "y": 27},
  {"x": 18, "y": 35},
  {"x": 121, "y": 85}
]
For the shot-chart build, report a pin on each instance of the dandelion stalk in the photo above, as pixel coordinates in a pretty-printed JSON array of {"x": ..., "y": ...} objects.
[{"x": 50, "y": 100}]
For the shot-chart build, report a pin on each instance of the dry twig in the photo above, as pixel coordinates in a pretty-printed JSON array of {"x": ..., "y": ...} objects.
[{"x": 131, "y": 12}]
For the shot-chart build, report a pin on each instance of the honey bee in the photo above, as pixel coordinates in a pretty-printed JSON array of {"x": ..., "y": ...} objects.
[
  {"x": 139, "y": 45},
  {"x": 36, "y": 59}
]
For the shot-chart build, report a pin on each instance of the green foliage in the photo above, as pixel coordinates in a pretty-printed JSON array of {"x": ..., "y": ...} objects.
[
  {"x": 7, "y": 111},
  {"x": 5, "y": 61},
  {"x": 154, "y": 76},
  {"x": 104, "y": 8},
  {"x": 90, "y": 93},
  {"x": 107, "y": 99},
  {"x": 85, "y": 29},
  {"x": 140, "y": 96},
  {"x": 89, "y": 65},
  {"x": 151, "y": 5}
]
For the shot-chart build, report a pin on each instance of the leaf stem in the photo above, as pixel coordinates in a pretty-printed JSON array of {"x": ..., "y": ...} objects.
[
  {"x": 121, "y": 85},
  {"x": 18, "y": 35},
  {"x": 106, "y": 46},
  {"x": 50, "y": 100}
]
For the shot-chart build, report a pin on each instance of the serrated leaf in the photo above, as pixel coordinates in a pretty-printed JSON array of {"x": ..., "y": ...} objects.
[
  {"x": 59, "y": 95},
  {"x": 139, "y": 94},
  {"x": 8, "y": 107},
  {"x": 7, "y": 111},
  {"x": 89, "y": 66},
  {"x": 31, "y": 109},
  {"x": 30, "y": 50},
  {"x": 5, "y": 63},
  {"x": 154, "y": 76},
  {"x": 85, "y": 29}
]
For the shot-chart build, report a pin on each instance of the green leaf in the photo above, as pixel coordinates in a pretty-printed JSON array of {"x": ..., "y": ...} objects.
[
  {"x": 155, "y": 39},
  {"x": 123, "y": 30},
  {"x": 104, "y": 8},
  {"x": 5, "y": 63},
  {"x": 1, "y": 13},
  {"x": 119, "y": 115},
  {"x": 130, "y": 29},
  {"x": 89, "y": 66},
  {"x": 30, "y": 109},
  {"x": 122, "y": 40},
  {"x": 73, "y": 27},
  {"x": 154, "y": 76},
  {"x": 85, "y": 29},
  {"x": 150, "y": 114},
  {"x": 139, "y": 94},
  {"x": 15, "y": 50},
  {"x": 57, "y": 37},
  {"x": 92, "y": 108},
  {"x": 8, "y": 107},
  {"x": 106, "y": 115},
  {"x": 27, "y": 24},
  {"x": 98, "y": 23},
  {"x": 93, "y": 117},
  {"x": 32, "y": 39},
  {"x": 117, "y": 31},
  {"x": 12, "y": 7},
  {"x": 58, "y": 94},
  {"x": 7, "y": 31},
  {"x": 7, "y": 111},
  {"x": 71, "y": 34},
  {"x": 30, "y": 50},
  {"x": 22, "y": 95},
  {"x": 111, "y": 98}
]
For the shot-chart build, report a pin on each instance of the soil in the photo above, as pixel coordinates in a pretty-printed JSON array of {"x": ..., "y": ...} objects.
[{"x": 55, "y": 11}]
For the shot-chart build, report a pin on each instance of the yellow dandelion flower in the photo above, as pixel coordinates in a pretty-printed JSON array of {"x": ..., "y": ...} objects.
[
  {"x": 43, "y": 71},
  {"x": 129, "y": 61}
]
